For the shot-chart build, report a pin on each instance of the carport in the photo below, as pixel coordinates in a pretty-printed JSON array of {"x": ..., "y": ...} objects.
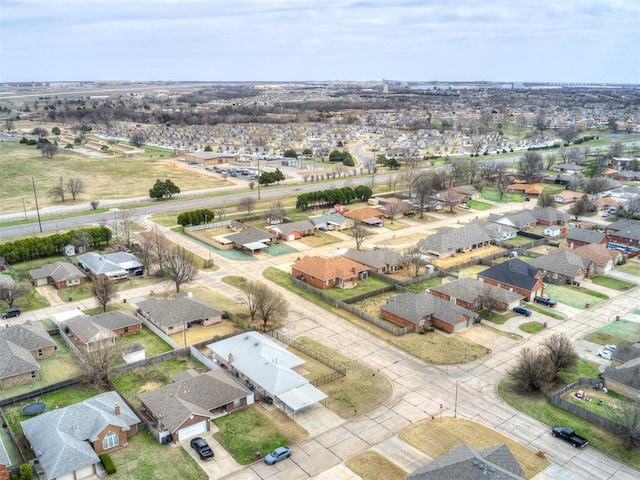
[
  {"x": 301, "y": 397},
  {"x": 253, "y": 246}
]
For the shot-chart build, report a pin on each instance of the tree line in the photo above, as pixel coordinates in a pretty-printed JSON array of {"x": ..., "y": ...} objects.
[{"x": 330, "y": 197}]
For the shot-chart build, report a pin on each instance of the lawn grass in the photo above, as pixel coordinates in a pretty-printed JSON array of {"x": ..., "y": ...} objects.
[
  {"x": 548, "y": 311},
  {"x": 373, "y": 466},
  {"x": 613, "y": 282},
  {"x": 433, "y": 347},
  {"x": 144, "y": 457},
  {"x": 153, "y": 344},
  {"x": 366, "y": 285},
  {"x": 531, "y": 327},
  {"x": 576, "y": 297},
  {"x": 494, "y": 317},
  {"x": 622, "y": 331},
  {"x": 631, "y": 267},
  {"x": 538, "y": 406},
  {"x": 477, "y": 205},
  {"x": 255, "y": 429},
  {"x": 425, "y": 285}
]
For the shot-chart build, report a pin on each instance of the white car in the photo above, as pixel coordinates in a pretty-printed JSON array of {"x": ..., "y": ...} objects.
[
  {"x": 611, "y": 348},
  {"x": 464, "y": 206},
  {"x": 606, "y": 354}
]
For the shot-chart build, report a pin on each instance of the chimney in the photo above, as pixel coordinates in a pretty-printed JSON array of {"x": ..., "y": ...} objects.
[
  {"x": 231, "y": 358},
  {"x": 116, "y": 408}
]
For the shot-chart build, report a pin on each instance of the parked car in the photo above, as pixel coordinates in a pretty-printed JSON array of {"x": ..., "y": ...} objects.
[
  {"x": 611, "y": 348},
  {"x": 465, "y": 206},
  {"x": 522, "y": 311},
  {"x": 201, "y": 446},
  {"x": 606, "y": 354},
  {"x": 278, "y": 454},
  {"x": 11, "y": 313},
  {"x": 545, "y": 301},
  {"x": 570, "y": 436}
]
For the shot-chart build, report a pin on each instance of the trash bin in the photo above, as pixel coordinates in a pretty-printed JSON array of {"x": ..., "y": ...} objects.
[
  {"x": 587, "y": 305},
  {"x": 71, "y": 299},
  {"x": 124, "y": 300}
]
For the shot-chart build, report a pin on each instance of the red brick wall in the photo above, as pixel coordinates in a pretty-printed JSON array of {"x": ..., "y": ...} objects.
[
  {"x": 399, "y": 320},
  {"x": 46, "y": 353},
  {"x": 132, "y": 329},
  {"x": 316, "y": 282},
  {"x": 519, "y": 291},
  {"x": 122, "y": 437}
]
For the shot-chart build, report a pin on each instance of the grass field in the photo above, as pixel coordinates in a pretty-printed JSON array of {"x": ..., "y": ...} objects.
[{"x": 373, "y": 466}]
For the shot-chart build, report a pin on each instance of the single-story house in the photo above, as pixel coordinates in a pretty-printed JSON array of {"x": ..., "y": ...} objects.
[
  {"x": 268, "y": 369},
  {"x": 470, "y": 293},
  {"x": 567, "y": 196},
  {"x": 381, "y": 260},
  {"x": 67, "y": 441},
  {"x": 366, "y": 215},
  {"x": 97, "y": 264},
  {"x": 394, "y": 207},
  {"x": 497, "y": 233},
  {"x": 422, "y": 310},
  {"x": 448, "y": 242},
  {"x": 603, "y": 258},
  {"x": 516, "y": 276},
  {"x": 185, "y": 407},
  {"x": 622, "y": 376},
  {"x": 325, "y": 273},
  {"x": 467, "y": 463},
  {"x": 335, "y": 220},
  {"x": 60, "y": 274},
  {"x": 547, "y": 216},
  {"x": 626, "y": 232},
  {"x": 251, "y": 239},
  {"x": 97, "y": 331},
  {"x": 522, "y": 220},
  {"x": 20, "y": 348},
  {"x": 293, "y": 230},
  {"x": 176, "y": 314},
  {"x": 577, "y": 237},
  {"x": 569, "y": 168},
  {"x": 563, "y": 266},
  {"x": 526, "y": 189},
  {"x": 127, "y": 261}
]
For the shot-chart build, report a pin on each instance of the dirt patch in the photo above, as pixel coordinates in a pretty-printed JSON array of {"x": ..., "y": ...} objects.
[
  {"x": 373, "y": 466},
  {"x": 437, "y": 437},
  {"x": 148, "y": 386},
  {"x": 372, "y": 305},
  {"x": 199, "y": 333}
]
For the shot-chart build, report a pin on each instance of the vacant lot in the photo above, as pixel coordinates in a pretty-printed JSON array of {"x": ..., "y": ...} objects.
[
  {"x": 103, "y": 177},
  {"x": 437, "y": 437},
  {"x": 373, "y": 466}
]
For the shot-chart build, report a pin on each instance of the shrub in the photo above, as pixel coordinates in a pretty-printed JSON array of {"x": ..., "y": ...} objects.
[
  {"x": 109, "y": 466},
  {"x": 26, "y": 471}
]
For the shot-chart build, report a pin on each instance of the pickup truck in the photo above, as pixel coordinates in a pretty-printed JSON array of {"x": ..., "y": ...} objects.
[
  {"x": 570, "y": 436},
  {"x": 545, "y": 301}
]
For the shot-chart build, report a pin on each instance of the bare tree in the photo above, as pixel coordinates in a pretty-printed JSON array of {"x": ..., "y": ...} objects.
[
  {"x": 94, "y": 204},
  {"x": 57, "y": 191},
  {"x": 578, "y": 209},
  {"x": 531, "y": 372},
  {"x": 179, "y": 266},
  {"x": 247, "y": 204},
  {"x": 451, "y": 198},
  {"x": 98, "y": 365},
  {"x": 550, "y": 160},
  {"x": 616, "y": 149},
  {"x": 359, "y": 232},
  {"x": 276, "y": 211},
  {"x": 75, "y": 186},
  {"x": 458, "y": 171},
  {"x": 423, "y": 188},
  {"x": 627, "y": 414},
  {"x": 273, "y": 304},
  {"x": 105, "y": 290},
  {"x": 11, "y": 291},
  {"x": 546, "y": 200},
  {"x": 393, "y": 208},
  {"x": 490, "y": 302},
  {"x": 126, "y": 221},
  {"x": 416, "y": 262},
  {"x": 562, "y": 356},
  {"x": 160, "y": 247},
  {"x": 407, "y": 177},
  {"x": 253, "y": 294},
  {"x": 8, "y": 123},
  {"x": 569, "y": 134},
  {"x": 530, "y": 165},
  {"x": 595, "y": 185},
  {"x": 138, "y": 139}
]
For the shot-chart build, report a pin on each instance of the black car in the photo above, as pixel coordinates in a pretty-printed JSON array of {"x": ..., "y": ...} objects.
[
  {"x": 201, "y": 446},
  {"x": 11, "y": 313},
  {"x": 545, "y": 301}
]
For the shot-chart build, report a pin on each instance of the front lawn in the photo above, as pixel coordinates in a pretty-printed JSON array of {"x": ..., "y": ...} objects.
[
  {"x": 477, "y": 205},
  {"x": 494, "y": 317},
  {"x": 622, "y": 331},
  {"x": 531, "y": 327},
  {"x": 144, "y": 457},
  {"x": 548, "y": 311},
  {"x": 255, "y": 429},
  {"x": 577, "y": 297},
  {"x": 370, "y": 465},
  {"x": 613, "y": 282},
  {"x": 631, "y": 267}
]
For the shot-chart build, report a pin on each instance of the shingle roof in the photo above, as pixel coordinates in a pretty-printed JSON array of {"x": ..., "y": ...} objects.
[
  {"x": 60, "y": 438},
  {"x": 287, "y": 228},
  {"x": 30, "y": 335},
  {"x": 364, "y": 213},
  {"x": 447, "y": 240},
  {"x": 495, "y": 230},
  {"x": 100, "y": 265},
  {"x": 585, "y": 235},
  {"x": 413, "y": 307},
  {"x": 115, "y": 320},
  {"x": 88, "y": 331},
  {"x": 174, "y": 403},
  {"x": 626, "y": 374},
  {"x": 465, "y": 463},
  {"x": 378, "y": 258},
  {"x": 58, "y": 271},
  {"x": 15, "y": 360},
  {"x": 623, "y": 353},
  {"x": 468, "y": 289},
  {"x": 513, "y": 272},
  {"x": 562, "y": 261},
  {"x": 520, "y": 219},
  {"x": 174, "y": 311},
  {"x": 329, "y": 268},
  {"x": 250, "y": 235},
  {"x": 598, "y": 253},
  {"x": 333, "y": 218},
  {"x": 549, "y": 214}
]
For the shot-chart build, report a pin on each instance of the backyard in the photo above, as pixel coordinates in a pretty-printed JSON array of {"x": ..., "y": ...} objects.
[{"x": 153, "y": 345}]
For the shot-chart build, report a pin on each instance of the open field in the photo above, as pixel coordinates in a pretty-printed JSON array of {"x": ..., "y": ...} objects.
[
  {"x": 437, "y": 437},
  {"x": 373, "y": 466},
  {"x": 110, "y": 177}
]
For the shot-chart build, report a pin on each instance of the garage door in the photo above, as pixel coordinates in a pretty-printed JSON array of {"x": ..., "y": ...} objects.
[
  {"x": 40, "y": 282},
  {"x": 85, "y": 472},
  {"x": 192, "y": 430}
]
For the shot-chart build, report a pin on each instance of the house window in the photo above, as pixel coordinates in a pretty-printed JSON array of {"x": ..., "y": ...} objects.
[
  {"x": 39, "y": 352},
  {"x": 110, "y": 440},
  {"x": 126, "y": 329},
  {"x": 34, "y": 374},
  {"x": 237, "y": 403}
]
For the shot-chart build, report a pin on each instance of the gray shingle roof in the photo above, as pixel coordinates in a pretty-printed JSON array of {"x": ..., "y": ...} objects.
[
  {"x": 549, "y": 214},
  {"x": 624, "y": 353},
  {"x": 333, "y": 218},
  {"x": 563, "y": 262},
  {"x": 447, "y": 240},
  {"x": 58, "y": 271},
  {"x": 87, "y": 330},
  {"x": 287, "y": 228},
  {"x": 15, "y": 360},
  {"x": 626, "y": 374},
  {"x": 379, "y": 258},
  {"x": 250, "y": 235},
  {"x": 173, "y": 311},
  {"x": 585, "y": 235},
  {"x": 520, "y": 219},
  {"x": 17, "y": 343},
  {"x": 513, "y": 272},
  {"x": 60, "y": 438},
  {"x": 99, "y": 265},
  {"x": 413, "y": 307},
  {"x": 465, "y": 463},
  {"x": 115, "y": 320},
  {"x": 468, "y": 289},
  {"x": 176, "y": 402}
]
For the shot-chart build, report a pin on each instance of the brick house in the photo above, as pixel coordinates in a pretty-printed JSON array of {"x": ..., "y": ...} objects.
[
  {"x": 625, "y": 232},
  {"x": 67, "y": 441},
  {"x": 449, "y": 242},
  {"x": 326, "y": 273},
  {"x": 516, "y": 276},
  {"x": 577, "y": 237},
  {"x": 60, "y": 274},
  {"x": 548, "y": 216},
  {"x": 366, "y": 215},
  {"x": 176, "y": 314},
  {"x": 97, "y": 331},
  {"x": 293, "y": 230},
  {"x": 381, "y": 260},
  {"x": 418, "y": 311},
  {"x": 563, "y": 266},
  {"x": 622, "y": 376},
  {"x": 469, "y": 293},
  {"x": 20, "y": 348}
]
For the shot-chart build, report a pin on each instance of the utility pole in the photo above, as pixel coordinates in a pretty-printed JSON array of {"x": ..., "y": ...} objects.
[
  {"x": 258, "y": 176},
  {"x": 24, "y": 207},
  {"x": 33, "y": 182}
]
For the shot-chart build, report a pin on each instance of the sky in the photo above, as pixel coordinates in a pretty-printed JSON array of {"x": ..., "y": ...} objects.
[{"x": 582, "y": 41}]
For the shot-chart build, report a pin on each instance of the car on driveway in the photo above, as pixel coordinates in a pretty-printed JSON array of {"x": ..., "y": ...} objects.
[
  {"x": 464, "y": 206},
  {"x": 201, "y": 446},
  {"x": 522, "y": 311},
  {"x": 11, "y": 313},
  {"x": 606, "y": 354},
  {"x": 545, "y": 301},
  {"x": 612, "y": 348},
  {"x": 278, "y": 454}
]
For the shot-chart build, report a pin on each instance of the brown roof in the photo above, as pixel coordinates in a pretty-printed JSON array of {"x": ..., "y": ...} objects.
[
  {"x": 328, "y": 268},
  {"x": 598, "y": 253},
  {"x": 363, "y": 213}
]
